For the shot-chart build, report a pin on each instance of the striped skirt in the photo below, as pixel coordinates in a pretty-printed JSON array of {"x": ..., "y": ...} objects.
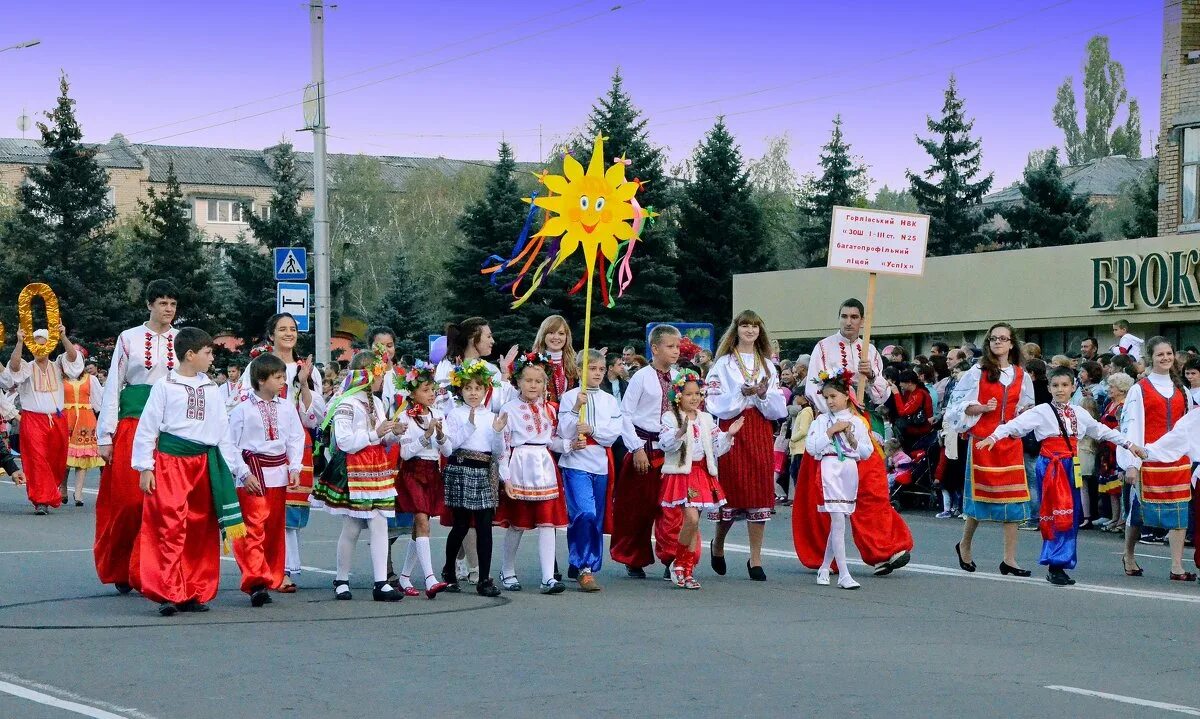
[{"x": 747, "y": 471}]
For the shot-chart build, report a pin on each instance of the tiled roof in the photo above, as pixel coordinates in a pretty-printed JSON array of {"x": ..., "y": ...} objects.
[
  {"x": 228, "y": 166},
  {"x": 1102, "y": 177}
]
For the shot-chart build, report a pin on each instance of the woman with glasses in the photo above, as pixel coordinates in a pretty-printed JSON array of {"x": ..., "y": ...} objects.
[{"x": 996, "y": 489}]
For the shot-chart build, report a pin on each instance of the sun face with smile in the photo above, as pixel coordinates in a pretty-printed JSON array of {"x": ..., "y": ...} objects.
[{"x": 589, "y": 209}]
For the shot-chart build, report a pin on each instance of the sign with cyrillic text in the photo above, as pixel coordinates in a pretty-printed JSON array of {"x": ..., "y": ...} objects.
[{"x": 891, "y": 243}]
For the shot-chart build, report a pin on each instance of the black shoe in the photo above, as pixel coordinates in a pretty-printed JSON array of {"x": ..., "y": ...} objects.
[
  {"x": 635, "y": 572},
  {"x": 667, "y": 573},
  {"x": 384, "y": 592},
  {"x": 557, "y": 574},
  {"x": 961, "y": 564},
  {"x": 756, "y": 573},
  {"x": 260, "y": 597},
  {"x": 572, "y": 572},
  {"x": 487, "y": 588},
  {"x": 193, "y": 605},
  {"x": 167, "y": 609},
  {"x": 717, "y": 563},
  {"x": 40, "y": 510},
  {"x": 451, "y": 580},
  {"x": 344, "y": 595},
  {"x": 1006, "y": 569},
  {"x": 1058, "y": 578},
  {"x": 79, "y": 503},
  {"x": 123, "y": 588}
]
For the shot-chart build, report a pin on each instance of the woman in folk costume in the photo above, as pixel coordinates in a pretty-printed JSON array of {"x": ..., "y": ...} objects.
[
  {"x": 1110, "y": 478},
  {"x": 995, "y": 488},
  {"x": 302, "y": 391},
  {"x": 359, "y": 480},
  {"x": 692, "y": 444},
  {"x": 1162, "y": 488},
  {"x": 554, "y": 340},
  {"x": 44, "y": 427},
  {"x": 743, "y": 384},
  {"x": 82, "y": 397},
  {"x": 533, "y": 493}
]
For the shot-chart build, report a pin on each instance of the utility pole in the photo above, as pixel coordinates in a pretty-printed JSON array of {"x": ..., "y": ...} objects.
[{"x": 316, "y": 16}]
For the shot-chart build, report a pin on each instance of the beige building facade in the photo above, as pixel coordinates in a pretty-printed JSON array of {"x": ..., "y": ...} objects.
[{"x": 1179, "y": 131}]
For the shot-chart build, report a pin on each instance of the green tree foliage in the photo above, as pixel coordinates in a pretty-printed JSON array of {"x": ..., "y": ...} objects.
[
  {"x": 775, "y": 188},
  {"x": 1104, "y": 93},
  {"x": 287, "y": 224},
  {"x": 364, "y": 233},
  {"x": 404, "y": 308},
  {"x": 947, "y": 191},
  {"x": 843, "y": 182},
  {"x": 1048, "y": 214},
  {"x": 60, "y": 232},
  {"x": 1141, "y": 199},
  {"x": 720, "y": 229},
  {"x": 894, "y": 200},
  {"x": 246, "y": 266}
]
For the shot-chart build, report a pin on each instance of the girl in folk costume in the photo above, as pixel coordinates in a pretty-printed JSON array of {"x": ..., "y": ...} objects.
[
  {"x": 743, "y": 384},
  {"x": 44, "y": 428},
  {"x": 533, "y": 494},
  {"x": 587, "y": 469},
  {"x": 419, "y": 487},
  {"x": 472, "y": 444},
  {"x": 142, "y": 356},
  {"x": 1110, "y": 477},
  {"x": 1182, "y": 441},
  {"x": 382, "y": 341},
  {"x": 82, "y": 398},
  {"x": 1058, "y": 427},
  {"x": 839, "y": 439},
  {"x": 691, "y": 443},
  {"x": 1162, "y": 488},
  {"x": 554, "y": 340},
  {"x": 995, "y": 487},
  {"x": 303, "y": 393},
  {"x": 359, "y": 481},
  {"x": 265, "y": 452}
]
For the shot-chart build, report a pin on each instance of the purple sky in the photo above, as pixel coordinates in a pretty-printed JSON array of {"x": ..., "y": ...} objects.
[{"x": 139, "y": 64}]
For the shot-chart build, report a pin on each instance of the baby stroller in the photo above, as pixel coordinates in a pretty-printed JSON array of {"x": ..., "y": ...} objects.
[{"x": 912, "y": 482}]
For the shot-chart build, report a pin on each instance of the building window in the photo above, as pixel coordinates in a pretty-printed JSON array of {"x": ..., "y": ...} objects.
[
  {"x": 263, "y": 212},
  {"x": 1191, "y": 175},
  {"x": 227, "y": 211}
]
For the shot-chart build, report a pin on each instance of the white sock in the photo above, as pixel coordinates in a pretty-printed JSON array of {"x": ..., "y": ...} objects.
[
  {"x": 291, "y": 545},
  {"x": 546, "y": 552},
  {"x": 837, "y": 539},
  {"x": 377, "y": 526},
  {"x": 426, "y": 561},
  {"x": 512, "y": 541},
  {"x": 351, "y": 527},
  {"x": 410, "y": 559}
]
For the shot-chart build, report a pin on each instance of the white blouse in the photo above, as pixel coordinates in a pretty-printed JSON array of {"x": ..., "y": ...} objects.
[
  {"x": 820, "y": 444},
  {"x": 725, "y": 382},
  {"x": 669, "y": 440},
  {"x": 477, "y": 437},
  {"x": 501, "y": 394},
  {"x": 30, "y": 379},
  {"x": 129, "y": 366},
  {"x": 642, "y": 406},
  {"x": 966, "y": 394},
  {"x": 1133, "y": 415},
  {"x": 311, "y": 415},
  {"x": 827, "y": 355},
  {"x": 264, "y": 427},
  {"x": 353, "y": 428},
  {"x": 187, "y": 407},
  {"x": 1041, "y": 420},
  {"x": 604, "y": 417},
  {"x": 414, "y": 443}
]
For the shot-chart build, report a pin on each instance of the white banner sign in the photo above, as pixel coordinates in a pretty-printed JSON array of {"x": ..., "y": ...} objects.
[{"x": 890, "y": 243}]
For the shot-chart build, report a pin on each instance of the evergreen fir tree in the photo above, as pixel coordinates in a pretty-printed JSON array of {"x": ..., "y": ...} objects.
[
  {"x": 404, "y": 308},
  {"x": 287, "y": 224},
  {"x": 843, "y": 182},
  {"x": 720, "y": 229},
  {"x": 61, "y": 232},
  {"x": 251, "y": 270},
  {"x": 948, "y": 191},
  {"x": 491, "y": 226},
  {"x": 1048, "y": 214},
  {"x": 1142, "y": 196},
  {"x": 166, "y": 245}
]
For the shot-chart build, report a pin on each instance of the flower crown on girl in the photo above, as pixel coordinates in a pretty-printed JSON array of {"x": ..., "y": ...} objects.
[
  {"x": 417, "y": 375},
  {"x": 530, "y": 359},
  {"x": 472, "y": 370},
  {"x": 842, "y": 380},
  {"x": 675, "y": 393}
]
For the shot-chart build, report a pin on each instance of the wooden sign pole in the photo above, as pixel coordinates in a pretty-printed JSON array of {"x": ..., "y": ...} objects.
[{"x": 866, "y": 336}]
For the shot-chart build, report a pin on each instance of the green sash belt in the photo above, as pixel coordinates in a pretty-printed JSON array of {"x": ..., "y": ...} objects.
[
  {"x": 133, "y": 400},
  {"x": 225, "y": 499}
]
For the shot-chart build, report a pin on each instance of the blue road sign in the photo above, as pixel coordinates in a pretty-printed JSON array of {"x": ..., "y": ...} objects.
[
  {"x": 293, "y": 298},
  {"x": 291, "y": 263}
]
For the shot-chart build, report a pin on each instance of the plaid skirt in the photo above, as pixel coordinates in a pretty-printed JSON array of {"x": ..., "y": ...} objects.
[{"x": 471, "y": 481}]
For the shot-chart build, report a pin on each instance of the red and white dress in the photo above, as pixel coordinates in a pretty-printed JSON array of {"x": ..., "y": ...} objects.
[
  {"x": 748, "y": 470},
  {"x": 533, "y": 494},
  {"x": 44, "y": 427},
  {"x": 689, "y": 471}
]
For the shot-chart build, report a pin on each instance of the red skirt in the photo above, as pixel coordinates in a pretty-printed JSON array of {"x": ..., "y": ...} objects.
[
  {"x": 419, "y": 488},
  {"x": 524, "y": 514},
  {"x": 697, "y": 488},
  {"x": 747, "y": 471},
  {"x": 43, "y": 456}
]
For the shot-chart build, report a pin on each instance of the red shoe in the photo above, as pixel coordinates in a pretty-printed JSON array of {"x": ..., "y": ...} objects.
[
  {"x": 412, "y": 592},
  {"x": 1185, "y": 577},
  {"x": 433, "y": 591}
]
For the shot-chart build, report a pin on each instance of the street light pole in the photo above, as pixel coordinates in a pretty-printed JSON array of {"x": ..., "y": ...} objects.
[
  {"x": 21, "y": 45},
  {"x": 316, "y": 15}
]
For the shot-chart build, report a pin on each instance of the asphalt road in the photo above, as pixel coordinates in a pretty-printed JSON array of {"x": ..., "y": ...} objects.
[{"x": 929, "y": 641}]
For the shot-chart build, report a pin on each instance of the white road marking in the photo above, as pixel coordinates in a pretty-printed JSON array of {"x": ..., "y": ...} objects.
[
  {"x": 1181, "y": 709},
  {"x": 65, "y": 700},
  {"x": 45, "y": 551}
]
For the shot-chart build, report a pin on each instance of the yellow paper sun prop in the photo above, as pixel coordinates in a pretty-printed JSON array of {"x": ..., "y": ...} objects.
[{"x": 595, "y": 210}]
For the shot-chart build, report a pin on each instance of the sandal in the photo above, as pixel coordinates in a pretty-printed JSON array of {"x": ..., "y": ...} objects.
[
  {"x": 1135, "y": 572},
  {"x": 287, "y": 587},
  {"x": 510, "y": 584},
  {"x": 1185, "y": 577}
]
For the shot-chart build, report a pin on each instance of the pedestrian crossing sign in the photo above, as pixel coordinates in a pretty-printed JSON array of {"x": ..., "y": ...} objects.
[{"x": 291, "y": 263}]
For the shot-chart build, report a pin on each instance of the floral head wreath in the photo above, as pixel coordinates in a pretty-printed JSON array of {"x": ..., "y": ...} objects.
[
  {"x": 260, "y": 350},
  {"x": 675, "y": 393},
  {"x": 472, "y": 370},
  {"x": 415, "y": 376},
  {"x": 842, "y": 379},
  {"x": 530, "y": 359}
]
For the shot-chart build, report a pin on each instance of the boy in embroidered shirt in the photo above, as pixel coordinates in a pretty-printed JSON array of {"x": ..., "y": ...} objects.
[
  {"x": 266, "y": 454},
  {"x": 190, "y": 495}
]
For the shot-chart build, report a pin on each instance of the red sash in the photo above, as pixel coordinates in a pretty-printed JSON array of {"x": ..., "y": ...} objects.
[
  {"x": 257, "y": 462},
  {"x": 1057, "y": 513},
  {"x": 998, "y": 474},
  {"x": 1163, "y": 482}
]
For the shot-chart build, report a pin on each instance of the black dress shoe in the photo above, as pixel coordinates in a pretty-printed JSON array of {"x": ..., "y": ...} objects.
[
  {"x": 635, "y": 572},
  {"x": 338, "y": 586},
  {"x": 717, "y": 563},
  {"x": 260, "y": 597},
  {"x": 384, "y": 592},
  {"x": 167, "y": 609},
  {"x": 1006, "y": 568},
  {"x": 965, "y": 566},
  {"x": 1058, "y": 578},
  {"x": 123, "y": 588},
  {"x": 756, "y": 573},
  {"x": 451, "y": 580},
  {"x": 487, "y": 588},
  {"x": 667, "y": 573}
]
